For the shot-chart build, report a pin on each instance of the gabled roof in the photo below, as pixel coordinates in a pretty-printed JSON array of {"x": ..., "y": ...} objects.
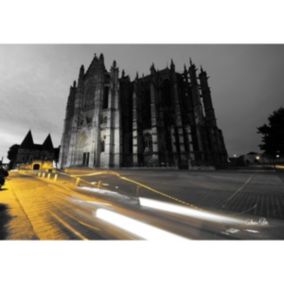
[
  {"x": 47, "y": 144},
  {"x": 28, "y": 141}
]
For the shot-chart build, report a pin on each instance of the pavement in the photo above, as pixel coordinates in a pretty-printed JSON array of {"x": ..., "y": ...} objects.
[
  {"x": 33, "y": 208},
  {"x": 63, "y": 208},
  {"x": 258, "y": 193}
]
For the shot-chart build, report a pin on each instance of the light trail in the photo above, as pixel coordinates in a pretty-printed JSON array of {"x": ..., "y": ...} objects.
[
  {"x": 140, "y": 184},
  {"x": 66, "y": 225},
  {"x": 88, "y": 202},
  {"x": 157, "y": 191},
  {"x": 103, "y": 192},
  {"x": 140, "y": 229},
  {"x": 97, "y": 174},
  {"x": 81, "y": 222},
  {"x": 187, "y": 211},
  {"x": 239, "y": 189}
]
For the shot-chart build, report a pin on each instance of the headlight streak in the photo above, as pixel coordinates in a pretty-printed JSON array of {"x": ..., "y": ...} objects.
[
  {"x": 103, "y": 191},
  {"x": 140, "y": 229},
  {"x": 88, "y": 202},
  {"x": 190, "y": 212},
  {"x": 252, "y": 231}
]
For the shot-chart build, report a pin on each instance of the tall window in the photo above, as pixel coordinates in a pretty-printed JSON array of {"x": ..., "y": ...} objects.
[
  {"x": 102, "y": 145},
  {"x": 148, "y": 144},
  {"x": 105, "y": 98}
]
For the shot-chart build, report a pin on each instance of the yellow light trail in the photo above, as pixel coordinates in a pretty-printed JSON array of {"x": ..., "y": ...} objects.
[
  {"x": 158, "y": 192},
  {"x": 66, "y": 225},
  {"x": 97, "y": 174},
  {"x": 140, "y": 184},
  {"x": 145, "y": 186}
]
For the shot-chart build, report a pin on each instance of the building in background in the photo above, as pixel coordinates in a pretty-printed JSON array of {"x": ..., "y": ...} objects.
[
  {"x": 164, "y": 119},
  {"x": 36, "y": 156}
]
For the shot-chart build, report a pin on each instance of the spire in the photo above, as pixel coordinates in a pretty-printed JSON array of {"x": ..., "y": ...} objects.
[
  {"x": 172, "y": 64},
  {"x": 122, "y": 73},
  {"x": 152, "y": 68},
  {"x": 101, "y": 57},
  {"x": 28, "y": 141},
  {"x": 74, "y": 84},
  {"x": 203, "y": 78},
  {"x": 137, "y": 76},
  {"x": 81, "y": 75},
  {"x": 184, "y": 68},
  {"x": 192, "y": 72},
  {"x": 114, "y": 64},
  {"x": 47, "y": 144},
  {"x": 82, "y": 71}
]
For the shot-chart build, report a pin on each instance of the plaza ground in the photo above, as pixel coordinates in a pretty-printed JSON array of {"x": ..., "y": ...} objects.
[{"x": 36, "y": 207}]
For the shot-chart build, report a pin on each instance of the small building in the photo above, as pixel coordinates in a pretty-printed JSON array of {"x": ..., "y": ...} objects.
[{"x": 35, "y": 156}]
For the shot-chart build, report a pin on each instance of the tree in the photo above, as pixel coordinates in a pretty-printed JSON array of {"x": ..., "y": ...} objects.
[
  {"x": 12, "y": 155},
  {"x": 273, "y": 134}
]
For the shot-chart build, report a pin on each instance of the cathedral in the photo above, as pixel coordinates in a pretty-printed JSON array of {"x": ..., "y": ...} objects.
[{"x": 163, "y": 119}]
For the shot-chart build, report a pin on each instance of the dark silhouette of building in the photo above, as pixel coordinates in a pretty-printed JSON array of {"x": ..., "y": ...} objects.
[
  {"x": 28, "y": 151},
  {"x": 163, "y": 119}
]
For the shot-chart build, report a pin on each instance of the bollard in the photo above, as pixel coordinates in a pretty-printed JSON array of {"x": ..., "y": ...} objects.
[
  {"x": 77, "y": 181},
  {"x": 55, "y": 177},
  {"x": 48, "y": 176},
  {"x": 39, "y": 174},
  {"x": 137, "y": 190},
  {"x": 117, "y": 188},
  {"x": 43, "y": 175},
  {"x": 99, "y": 184}
]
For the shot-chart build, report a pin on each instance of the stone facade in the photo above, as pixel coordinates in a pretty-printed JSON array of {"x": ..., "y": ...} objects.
[{"x": 164, "y": 119}]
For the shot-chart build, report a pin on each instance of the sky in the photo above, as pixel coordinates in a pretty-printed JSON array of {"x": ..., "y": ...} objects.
[{"x": 246, "y": 81}]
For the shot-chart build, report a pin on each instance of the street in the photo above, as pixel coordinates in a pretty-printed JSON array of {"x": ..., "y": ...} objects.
[{"x": 92, "y": 204}]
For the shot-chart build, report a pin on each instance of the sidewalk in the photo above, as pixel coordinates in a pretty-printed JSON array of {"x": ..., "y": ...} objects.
[{"x": 14, "y": 224}]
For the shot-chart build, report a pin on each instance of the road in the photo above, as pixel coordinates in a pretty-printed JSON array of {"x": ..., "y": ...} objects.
[{"x": 85, "y": 204}]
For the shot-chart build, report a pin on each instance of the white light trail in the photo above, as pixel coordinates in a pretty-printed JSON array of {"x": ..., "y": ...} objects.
[
  {"x": 102, "y": 191},
  {"x": 187, "y": 211},
  {"x": 145, "y": 231}
]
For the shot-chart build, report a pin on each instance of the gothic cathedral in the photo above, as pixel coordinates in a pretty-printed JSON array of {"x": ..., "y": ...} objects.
[{"x": 164, "y": 119}]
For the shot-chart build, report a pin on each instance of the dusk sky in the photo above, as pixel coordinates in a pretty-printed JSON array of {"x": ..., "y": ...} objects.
[{"x": 247, "y": 85}]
